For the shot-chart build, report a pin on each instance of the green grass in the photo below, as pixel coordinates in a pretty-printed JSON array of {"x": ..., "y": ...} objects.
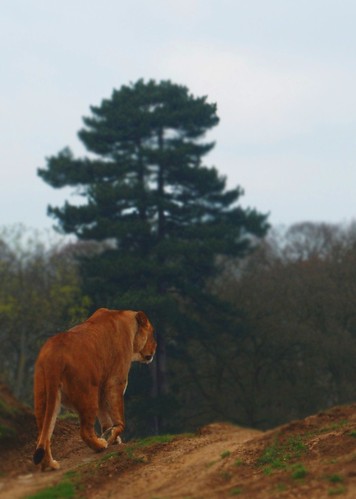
[
  {"x": 67, "y": 488},
  {"x": 68, "y": 416},
  {"x": 211, "y": 463},
  {"x": 71, "y": 474},
  {"x": 337, "y": 491},
  {"x": 279, "y": 454},
  {"x": 236, "y": 491},
  {"x": 281, "y": 487},
  {"x": 155, "y": 439},
  {"x": 225, "y": 475},
  {"x": 225, "y": 454},
  {"x": 63, "y": 490},
  {"x": 299, "y": 471},
  {"x": 108, "y": 456},
  {"x": 130, "y": 450},
  {"x": 353, "y": 433},
  {"x": 335, "y": 478},
  {"x": 146, "y": 442},
  {"x": 339, "y": 488},
  {"x": 70, "y": 485}
]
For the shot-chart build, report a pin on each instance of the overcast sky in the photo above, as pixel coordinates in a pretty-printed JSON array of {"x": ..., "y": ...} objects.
[{"x": 282, "y": 72}]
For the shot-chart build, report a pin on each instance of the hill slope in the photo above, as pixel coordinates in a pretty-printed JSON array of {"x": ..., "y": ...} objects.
[{"x": 314, "y": 457}]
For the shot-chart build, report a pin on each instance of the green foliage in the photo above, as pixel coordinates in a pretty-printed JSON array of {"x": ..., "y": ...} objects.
[
  {"x": 337, "y": 491},
  {"x": 63, "y": 490},
  {"x": 281, "y": 487},
  {"x": 279, "y": 454},
  {"x": 335, "y": 478},
  {"x": 131, "y": 450},
  {"x": 297, "y": 334},
  {"x": 8, "y": 416},
  {"x": 299, "y": 471},
  {"x": 165, "y": 219},
  {"x": 155, "y": 439},
  {"x": 40, "y": 295}
]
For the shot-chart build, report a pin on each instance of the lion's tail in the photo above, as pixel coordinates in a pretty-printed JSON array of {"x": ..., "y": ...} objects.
[{"x": 47, "y": 405}]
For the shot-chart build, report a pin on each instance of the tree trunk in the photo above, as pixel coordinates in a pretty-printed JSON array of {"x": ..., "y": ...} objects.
[
  {"x": 159, "y": 380},
  {"x": 20, "y": 368}
]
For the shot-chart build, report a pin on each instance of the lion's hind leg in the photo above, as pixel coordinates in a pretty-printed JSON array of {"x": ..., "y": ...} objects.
[{"x": 46, "y": 411}]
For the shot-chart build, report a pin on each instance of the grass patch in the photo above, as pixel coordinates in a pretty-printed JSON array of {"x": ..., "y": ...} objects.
[
  {"x": 63, "y": 490},
  {"x": 74, "y": 480},
  {"x": 281, "y": 487},
  {"x": 130, "y": 450},
  {"x": 353, "y": 433},
  {"x": 71, "y": 474},
  {"x": 68, "y": 416},
  {"x": 210, "y": 463},
  {"x": 337, "y": 491},
  {"x": 340, "y": 489},
  {"x": 155, "y": 439},
  {"x": 281, "y": 453},
  {"x": 146, "y": 442},
  {"x": 225, "y": 454},
  {"x": 225, "y": 475},
  {"x": 335, "y": 479},
  {"x": 299, "y": 471},
  {"x": 334, "y": 426},
  {"x": 236, "y": 491},
  {"x": 107, "y": 456},
  {"x": 330, "y": 427}
]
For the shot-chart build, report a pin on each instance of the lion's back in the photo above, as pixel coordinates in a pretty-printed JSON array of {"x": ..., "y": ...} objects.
[{"x": 90, "y": 351}]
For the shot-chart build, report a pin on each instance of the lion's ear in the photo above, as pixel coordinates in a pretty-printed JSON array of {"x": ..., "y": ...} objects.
[
  {"x": 141, "y": 318},
  {"x": 141, "y": 332}
]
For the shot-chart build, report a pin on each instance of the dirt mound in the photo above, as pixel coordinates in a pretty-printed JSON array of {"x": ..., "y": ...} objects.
[
  {"x": 14, "y": 418},
  {"x": 314, "y": 457}
]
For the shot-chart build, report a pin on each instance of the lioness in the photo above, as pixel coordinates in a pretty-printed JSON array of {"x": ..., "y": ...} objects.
[{"x": 86, "y": 369}]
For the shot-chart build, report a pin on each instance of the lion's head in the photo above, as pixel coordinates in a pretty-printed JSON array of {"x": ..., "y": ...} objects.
[{"x": 144, "y": 346}]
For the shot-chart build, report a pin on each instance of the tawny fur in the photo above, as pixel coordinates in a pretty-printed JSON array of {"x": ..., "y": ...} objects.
[{"x": 86, "y": 369}]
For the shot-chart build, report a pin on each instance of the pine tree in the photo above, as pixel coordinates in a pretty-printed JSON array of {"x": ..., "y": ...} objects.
[{"x": 168, "y": 216}]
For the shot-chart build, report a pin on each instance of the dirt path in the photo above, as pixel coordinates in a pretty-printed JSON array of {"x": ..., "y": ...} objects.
[
  {"x": 176, "y": 470},
  {"x": 185, "y": 468},
  {"x": 22, "y": 478},
  {"x": 313, "y": 458}
]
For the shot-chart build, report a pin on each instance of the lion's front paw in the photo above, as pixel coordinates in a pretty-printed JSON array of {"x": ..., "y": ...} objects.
[
  {"x": 102, "y": 443},
  {"x": 111, "y": 435}
]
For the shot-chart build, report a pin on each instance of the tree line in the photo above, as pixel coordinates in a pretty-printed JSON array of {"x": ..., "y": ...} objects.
[
  {"x": 287, "y": 351},
  {"x": 158, "y": 230}
]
